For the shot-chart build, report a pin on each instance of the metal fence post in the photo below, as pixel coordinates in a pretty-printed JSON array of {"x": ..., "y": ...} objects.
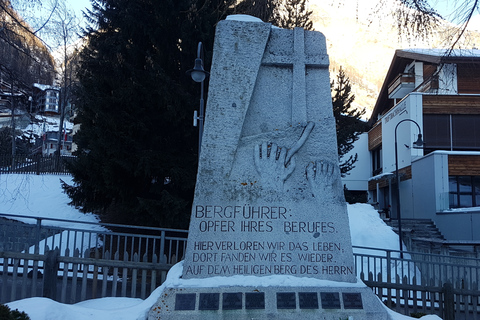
[
  {"x": 162, "y": 247},
  {"x": 50, "y": 274},
  {"x": 448, "y": 301},
  {"x": 37, "y": 235}
]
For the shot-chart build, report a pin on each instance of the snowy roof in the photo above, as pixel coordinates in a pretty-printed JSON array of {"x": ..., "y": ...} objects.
[
  {"x": 472, "y": 53},
  {"x": 44, "y": 87}
]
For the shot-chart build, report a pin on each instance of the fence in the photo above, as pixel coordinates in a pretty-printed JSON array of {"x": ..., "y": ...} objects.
[
  {"x": 72, "y": 264},
  {"x": 34, "y": 164},
  {"x": 422, "y": 283}
]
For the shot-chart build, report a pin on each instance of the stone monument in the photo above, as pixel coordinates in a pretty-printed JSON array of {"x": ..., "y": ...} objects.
[{"x": 269, "y": 198}]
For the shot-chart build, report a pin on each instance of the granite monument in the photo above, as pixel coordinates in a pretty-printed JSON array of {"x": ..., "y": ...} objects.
[{"x": 269, "y": 199}]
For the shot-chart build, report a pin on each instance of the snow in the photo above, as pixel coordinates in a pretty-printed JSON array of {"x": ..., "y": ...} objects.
[
  {"x": 46, "y": 124},
  {"x": 243, "y": 17},
  {"x": 472, "y": 53},
  {"x": 42, "y": 196}
]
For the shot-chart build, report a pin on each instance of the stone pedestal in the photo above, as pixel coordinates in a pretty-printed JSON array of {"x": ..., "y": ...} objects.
[{"x": 298, "y": 298}]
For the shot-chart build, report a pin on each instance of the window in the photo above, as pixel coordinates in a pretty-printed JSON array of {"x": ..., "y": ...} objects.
[
  {"x": 377, "y": 161},
  {"x": 436, "y": 129},
  {"x": 451, "y": 132},
  {"x": 465, "y": 129},
  {"x": 464, "y": 191}
]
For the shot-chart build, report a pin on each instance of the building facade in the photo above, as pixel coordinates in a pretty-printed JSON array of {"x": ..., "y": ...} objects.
[
  {"x": 46, "y": 99},
  {"x": 435, "y": 93}
]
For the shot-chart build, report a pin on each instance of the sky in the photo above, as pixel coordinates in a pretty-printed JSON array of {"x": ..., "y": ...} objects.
[
  {"x": 444, "y": 7},
  {"x": 79, "y": 5},
  {"x": 42, "y": 196}
]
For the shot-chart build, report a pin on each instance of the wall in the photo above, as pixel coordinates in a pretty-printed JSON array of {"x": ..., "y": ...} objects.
[
  {"x": 409, "y": 108},
  {"x": 459, "y": 224},
  {"x": 357, "y": 178},
  {"x": 431, "y": 199},
  {"x": 430, "y": 185},
  {"x": 448, "y": 79}
]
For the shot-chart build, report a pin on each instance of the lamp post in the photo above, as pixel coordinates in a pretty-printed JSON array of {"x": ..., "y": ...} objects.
[
  {"x": 198, "y": 74},
  {"x": 419, "y": 143}
]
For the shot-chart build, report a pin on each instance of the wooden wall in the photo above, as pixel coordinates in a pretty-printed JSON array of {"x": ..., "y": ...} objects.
[
  {"x": 463, "y": 165},
  {"x": 468, "y": 79},
  {"x": 375, "y": 137},
  {"x": 443, "y": 104}
]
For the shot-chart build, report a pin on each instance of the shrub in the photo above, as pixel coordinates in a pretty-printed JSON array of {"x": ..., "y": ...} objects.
[{"x": 7, "y": 314}]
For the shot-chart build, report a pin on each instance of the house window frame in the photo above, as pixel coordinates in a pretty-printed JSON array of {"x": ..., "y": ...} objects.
[{"x": 464, "y": 191}]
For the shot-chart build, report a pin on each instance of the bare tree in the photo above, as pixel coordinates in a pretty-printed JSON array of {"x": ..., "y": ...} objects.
[
  {"x": 64, "y": 28},
  {"x": 60, "y": 32},
  {"x": 418, "y": 19}
]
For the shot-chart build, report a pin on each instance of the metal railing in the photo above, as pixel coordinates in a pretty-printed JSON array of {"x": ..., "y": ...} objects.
[
  {"x": 69, "y": 262},
  {"x": 91, "y": 260},
  {"x": 445, "y": 285}
]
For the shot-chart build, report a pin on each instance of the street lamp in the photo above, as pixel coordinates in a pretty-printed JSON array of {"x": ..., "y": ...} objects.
[
  {"x": 198, "y": 74},
  {"x": 418, "y": 143}
]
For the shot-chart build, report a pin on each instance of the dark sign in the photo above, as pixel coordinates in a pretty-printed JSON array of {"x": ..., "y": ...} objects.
[
  {"x": 308, "y": 300},
  {"x": 286, "y": 300},
  {"x": 352, "y": 300},
  {"x": 330, "y": 300},
  {"x": 208, "y": 301},
  {"x": 255, "y": 300},
  {"x": 185, "y": 301},
  {"x": 232, "y": 301}
]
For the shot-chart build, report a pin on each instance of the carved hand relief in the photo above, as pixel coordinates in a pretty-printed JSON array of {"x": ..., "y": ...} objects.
[
  {"x": 321, "y": 177},
  {"x": 275, "y": 164},
  {"x": 272, "y": 165}
]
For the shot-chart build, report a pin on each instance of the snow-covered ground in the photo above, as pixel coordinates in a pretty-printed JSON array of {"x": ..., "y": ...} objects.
[
  {"x": 42, "y": 196},
  {"x": 44, "y": 124}
]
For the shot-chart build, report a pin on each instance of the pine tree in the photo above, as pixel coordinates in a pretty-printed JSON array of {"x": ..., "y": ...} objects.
[
  {"x": 348, "y": 120},
  {"x": 137, "y": 149},
  {"x": 135, "y": 105},
  {"x": 293, "y": 13}
]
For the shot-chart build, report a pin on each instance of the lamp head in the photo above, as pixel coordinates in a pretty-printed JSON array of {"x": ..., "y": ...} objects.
[
  {"x": 419, "y": 142},
  {"x": 198, "y": 74}
]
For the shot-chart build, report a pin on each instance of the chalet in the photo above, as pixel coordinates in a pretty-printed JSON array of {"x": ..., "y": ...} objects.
[
  {"x": 46, "y": 99},
  {"x": 50, "y": 142},
  {"x": 435, "y": 93}
]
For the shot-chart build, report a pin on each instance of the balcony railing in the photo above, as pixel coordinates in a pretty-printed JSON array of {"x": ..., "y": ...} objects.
[{"x": 401, "y": 80}]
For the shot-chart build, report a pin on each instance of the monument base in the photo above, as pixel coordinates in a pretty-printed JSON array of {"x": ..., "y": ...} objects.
[{"x": 274, "y": 297}]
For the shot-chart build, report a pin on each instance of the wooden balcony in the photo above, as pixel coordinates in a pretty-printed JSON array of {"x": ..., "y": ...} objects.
[{"x": 402, "y": 85}]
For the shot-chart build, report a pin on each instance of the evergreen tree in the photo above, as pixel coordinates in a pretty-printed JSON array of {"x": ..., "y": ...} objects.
[
  {"x": 293, "y": 13},
  {"x": 137, "y": 149},
  {"x": 348, "y": 120}
]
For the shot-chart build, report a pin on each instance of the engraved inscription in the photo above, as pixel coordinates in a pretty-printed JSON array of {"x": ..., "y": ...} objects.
[
  {"x": 330, "y": 300},
  {"x": 185, "y": 301},
  {"x": 208, "y": 301},
  {"x": 308, "y": 300},
  {"x": 255, "y": 300},
  {"x": 232, "y": 300},
  {"x": 352, "y": 300},
  {"x": 242, "y": 256},
  {"x": 286, "y": 300}
]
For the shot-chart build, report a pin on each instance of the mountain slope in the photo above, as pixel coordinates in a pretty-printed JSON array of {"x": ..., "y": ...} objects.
[{"x": 362, "y": 37}]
